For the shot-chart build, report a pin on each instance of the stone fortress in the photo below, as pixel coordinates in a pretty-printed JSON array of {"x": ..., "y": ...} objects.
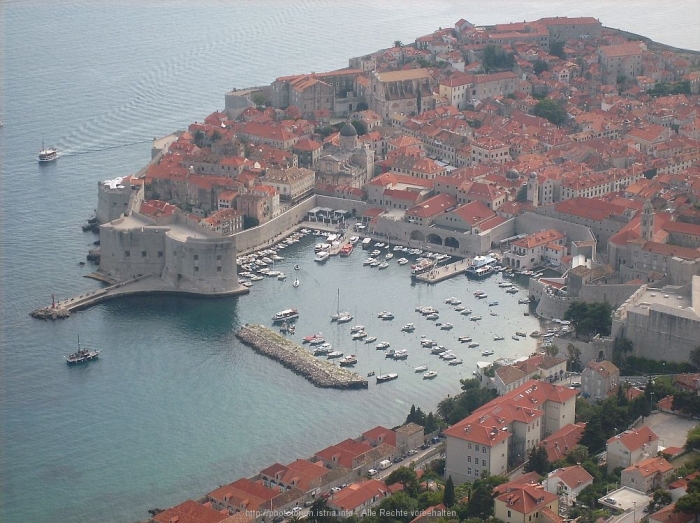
[{"x": 173, "y": 252}]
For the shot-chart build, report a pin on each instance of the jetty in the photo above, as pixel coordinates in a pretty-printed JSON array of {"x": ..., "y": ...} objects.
[
  {"x": 321, "y": 373},
  {"x": 443, "y": 272},
  {"x": 143, "y": 285}
]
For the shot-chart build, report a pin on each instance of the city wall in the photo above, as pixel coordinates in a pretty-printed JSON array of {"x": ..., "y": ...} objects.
[
  {"x": 251, "y": 239},
  {"x": 529, "y": 222},
  {"x": 660, "y": 335}
]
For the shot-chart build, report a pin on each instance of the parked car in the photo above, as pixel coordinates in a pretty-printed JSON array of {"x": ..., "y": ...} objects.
[
  {"x": 372, "y": 472},
  {"x": 398, "y": 459},
  {"x": 296, "y": 511},
  {"x": 425, "y": 446},
  {"x": 309, "y": 502},
  {"x": 336, "y": 489},
  {"x": 412, "y": 452}
]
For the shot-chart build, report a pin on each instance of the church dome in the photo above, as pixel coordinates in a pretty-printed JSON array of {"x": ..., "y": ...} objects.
[{"x": 348, "y": 130}]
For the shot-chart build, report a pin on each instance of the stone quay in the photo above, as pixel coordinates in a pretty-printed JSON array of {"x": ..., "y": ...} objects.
[{"x": 321, "y": 373}]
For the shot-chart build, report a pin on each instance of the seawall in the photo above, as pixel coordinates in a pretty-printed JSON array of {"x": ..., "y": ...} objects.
[{"x": 319, "y": 372}]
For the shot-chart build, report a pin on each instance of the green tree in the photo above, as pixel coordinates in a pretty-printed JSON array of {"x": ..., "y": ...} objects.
[
  {"x": 689, "y": 504},
  {"x": 496, "y": 58},
  {"x": 537, "y": 461},
  {"x": 398, "y": 43},
  {"x": 259, "y": 99},
  {"x": 199, "y": 138},
  {"x": 593, "y": 435},
  {"x": 398, "y": 507},
  {"x": 694, "y": 357},
  {"x": 621, "y": 347},
  {"x": 693, "y": 439},
  {"x": 407, "y": 477},
  {"x": 362, "y": 106},
  {"x": 578, "y": 454},
  {"x": 557, "y": 49},
  {"x": 360, "y": 127},
  {"x": 448, "y": 497},
  {"x": 540, "y": 66},
  {"x": 320, "y": 512},
  {"x": 522, "y": 194},
  {"x": 249, "y": 222},
  {"x": 550, "y": 110},
  {"x": 552, "y": 350},
  {"x": 573, "y": 358},
  {"x": 480, "y": 503}
]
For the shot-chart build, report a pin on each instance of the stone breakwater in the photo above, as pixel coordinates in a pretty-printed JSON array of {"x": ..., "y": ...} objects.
[{"x": 319, "y": 372}]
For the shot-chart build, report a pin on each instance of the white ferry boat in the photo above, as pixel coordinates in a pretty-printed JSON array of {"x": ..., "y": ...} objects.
[{"x": 285, "y": 315}]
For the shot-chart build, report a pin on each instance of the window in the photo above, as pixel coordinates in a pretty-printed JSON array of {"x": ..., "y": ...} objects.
[
  {"x": 469, "y": 446},
  {"x": 469, "y": 459},
  {"x": 196, "y": 256},
  {"x": 483, "y": 450},
  {"x": 143, "y": 254},
  {"x": 509, "y": 513},
  {"x": 469, "y": 471},
  {"x": 196, "y": 269},
  {"x": 218, "y": 269},
  {"x": 127, "y": 254},
  {"x": 218, "y": 256},
  {"x": 160, "y": 254},
  {"x": 483, "y": 462},
  {"x": 476, "y": 448}
]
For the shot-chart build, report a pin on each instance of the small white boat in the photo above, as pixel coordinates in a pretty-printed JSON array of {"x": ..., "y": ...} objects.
[
  {"x": 389, "y": 256},
  {"x": 400, "y": 354},
  {"x": 464, "y": 339},
  {"x": 368, "y": 261},
  {"x": 455, "y": 362},
  {"x": 473, "y": 345},
  {"x": 321, "y": 256},
  {"x": 383, "y": 265},
  {"x": 475, "y": 318},
  {"x": 498, "y": 338},
  {"x": 348, "y": 361},
  {"x": 335, "y": 354},
  {"x": 421, "y": 368},
  {"x": 371, "y": 339},
  {"x": 383, "y": 345},
  {"x": 433, "y": 316},
  {"x": 429, "y": 375},
  {"x": 387, "y": 316},
  {"x": 402, "y": 261},
  {"x": 516, "y": 338},
  {"x": 486, "y": 352},
  {"x": 409, "y": 327},
  {"x": 446, "y": 326},
  {"x": 359, "y": 335},
  {"x": 296, "y": 283},
  {"x": 296, "y": 267},
  {"x": 281, "y": 276},
  {"x": 381, "y": 378},
  {"x": 466, "y": 312},
  {"x": 345, "y": 319},
  {"x": 357, "y": 328}
]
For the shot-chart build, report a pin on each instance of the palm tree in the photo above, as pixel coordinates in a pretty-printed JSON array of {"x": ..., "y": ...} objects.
[
  {"x": 398, "y": 43},
  {"x": 694, "y": 357}
]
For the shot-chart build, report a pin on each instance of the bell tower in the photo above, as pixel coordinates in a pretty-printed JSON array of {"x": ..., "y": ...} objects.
[{"x": 647, "y": 222}]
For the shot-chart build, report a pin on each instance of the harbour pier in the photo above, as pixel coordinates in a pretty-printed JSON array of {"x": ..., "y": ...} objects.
[
  {"x": 443, "y": 272},
  {"x": 319, "y": 372},
  {"x": 143, "y": 285}
]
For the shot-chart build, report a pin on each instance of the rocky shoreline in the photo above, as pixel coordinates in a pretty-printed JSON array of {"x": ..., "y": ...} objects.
[{"x": 319, "y": 372}]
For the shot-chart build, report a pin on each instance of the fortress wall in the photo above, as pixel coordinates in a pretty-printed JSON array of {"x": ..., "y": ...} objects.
[
  {"x": 127, "y": 254},
  {"x": 529, "y": 222},
  {"x": 615, "y": 295},
  {"x": 201, "y": 265},
  {"x": 661, "y": 335},
  {"x": 257, "y": 236},
  {"x": 112, "y": 203}
]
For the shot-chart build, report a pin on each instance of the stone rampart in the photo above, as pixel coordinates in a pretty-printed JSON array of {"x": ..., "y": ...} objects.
[{"x": 321, "y": 373}]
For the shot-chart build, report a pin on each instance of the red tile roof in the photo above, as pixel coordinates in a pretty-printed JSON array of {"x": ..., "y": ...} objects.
[
  {"x": 527, "y": 499},
  {"x": 573, "y": 476},
  {"x": 634, "y": 439},
  {"x": 560, "y": 443},
  {"x": 190, "y": 512}
]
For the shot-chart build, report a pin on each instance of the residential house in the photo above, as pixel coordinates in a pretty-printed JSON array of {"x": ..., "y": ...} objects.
[
  {"x": 667, "y": 515},
  {"x": 293, "y": 184},
  {"x": 630, "y": 447},
  {"x": 409, "y": 437},
  {"x": 497, "y": 437},
  {"x": 190, "y": 512},
  {"x": 357, "y": 498},
  {"x": 598, "y": 379},
  {"x": 568, "y": 482},
  {"x": 647, "y": 475},
  {"x": 540, "y": 248},
  {"x": 561, "y": 442},
  {"x": 527, "y": 504}
]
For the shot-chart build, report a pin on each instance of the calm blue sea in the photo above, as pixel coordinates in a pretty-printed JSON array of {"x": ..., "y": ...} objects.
[{"x": 175, "y": 406}]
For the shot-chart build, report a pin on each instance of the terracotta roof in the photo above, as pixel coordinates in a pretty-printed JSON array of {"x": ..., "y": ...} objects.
[
  {"x": 573, "y": 476},
  {"x": 539, "y": 238},
  {"x": 604, "y": 368},
  {"x": 432, "y": 206},
  {"x": 357, "y": 494},
  {"x": 634, "y": 439},
  {"x": 381, "y": 433},
  {"x": 560, "y": 443},
  {"x": 667, "y": 515},
  {"x": 189, "y": 512},
  {"x": 527, "y": 499},
  {"x": 650, "y": 466}
]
